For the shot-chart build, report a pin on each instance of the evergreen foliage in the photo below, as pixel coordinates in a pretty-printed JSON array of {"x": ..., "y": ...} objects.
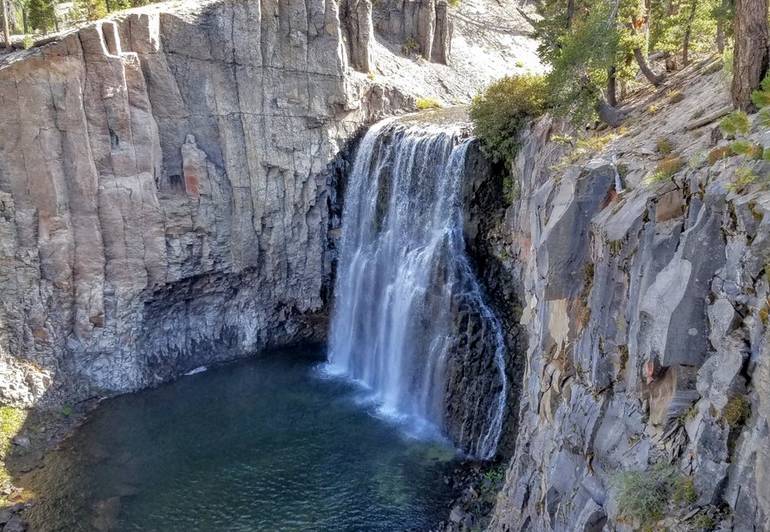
[
  {"x": 736, "y": 123},
  {"x": 41, "y": 15},
  {"x": 503, "y": 109},
  {"x": 594, "y": 46},
  {"x": 90, "y": 9},
  {"x": 643, "y": 497}
]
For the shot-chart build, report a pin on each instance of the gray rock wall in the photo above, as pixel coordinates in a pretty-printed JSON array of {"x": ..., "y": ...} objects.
[
  {"x": 422, "y": 27},
  {"x": 166, "y": 190},
  {"x": 645, "y": 314}
]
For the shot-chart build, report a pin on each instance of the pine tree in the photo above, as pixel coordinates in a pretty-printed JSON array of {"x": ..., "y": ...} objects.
[
  {"x": 91, "y": 9},
  {"x": 684, "y": 26},
  {"x": 42, "y": 16}
]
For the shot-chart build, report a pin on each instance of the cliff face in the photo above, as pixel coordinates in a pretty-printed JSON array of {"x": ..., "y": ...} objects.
[
  {"x": 645, "y": 311},
  {"x": 169, "y": 180},
  {"x": 167, "y": 188},
  {"x": 157, "y": 171}
]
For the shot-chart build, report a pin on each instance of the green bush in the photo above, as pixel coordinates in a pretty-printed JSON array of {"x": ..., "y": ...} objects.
[
  {"x": 643, "y": 496},
  {"x": 684, "y": 491},
  {"x": 747, "y": 148},
  {"x": 764, "y": 117},
  {"x": 735, "y": 123},
  {"x": 664, "y": 146},
  {"x": 717, "y": 154},
  {"x": 703, "y": 522},
  {"x": 736, "y": 411},
  {"x": 428, "y": 103},
  {"x": 666, "y": 169},
  {"x": 503, "y": 109},
  {"x": 761, "y": 97}
]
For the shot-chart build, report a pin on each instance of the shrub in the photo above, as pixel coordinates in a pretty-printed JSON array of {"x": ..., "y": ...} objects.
[
  {"x": 11, "y": 421},
  {"x": 511, "y": 189},
  {"x": 503, "y": 109},
  {"x": 684, "y": 491},
  {"x": 764, "y": 117},
  {"x": 744, "y": 176},
  {"x": 675, "y": 97},
  {"x": 666, "y": 169},
  {"x": 643, "y": 496},
  {"x": 703, "y": 522},
  {"x": 410, "y": 46},
  {"x": 664, "y": 146},
  {"x": 427, "y": 103},
  {"x": 717, "y": 154},
  {"x": 761, "y": 96},
  {"x": 735, "y": 123},
  {"x": 747, "y": 148},
  {"x": 736, "y": 411}
]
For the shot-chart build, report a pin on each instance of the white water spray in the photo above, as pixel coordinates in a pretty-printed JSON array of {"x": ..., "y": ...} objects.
[{"x": 403, "y": 278}]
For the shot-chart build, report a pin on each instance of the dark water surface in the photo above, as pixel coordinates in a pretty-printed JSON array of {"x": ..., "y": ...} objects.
[{"x": 265, "y": 444}]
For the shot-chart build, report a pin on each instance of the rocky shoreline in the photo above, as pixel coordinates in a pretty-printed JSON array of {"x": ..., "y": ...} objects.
[{"x": 42, "y": 432}]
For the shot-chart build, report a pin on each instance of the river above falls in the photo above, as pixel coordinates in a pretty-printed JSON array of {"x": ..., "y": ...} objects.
[{"x": 265, "y": 444}]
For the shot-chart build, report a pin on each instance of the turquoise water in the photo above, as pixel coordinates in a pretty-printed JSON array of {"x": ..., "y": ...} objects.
[{"x": 267, "y": 444}]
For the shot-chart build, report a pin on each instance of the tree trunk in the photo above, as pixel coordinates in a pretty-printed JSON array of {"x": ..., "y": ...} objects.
[
  {"x": 721, "y": 36},
  {"x": 651, "y": 76},
  {"x": 612, "y": 84},
  {"x": 570, "y": 12},
  {"x": 723, "y": 26},
  {"x": 688, "y": 34},
  {"x": 751, "y": 54},
  {"x": 6, "y": 25},
  {"x": 608, "y": 114}
]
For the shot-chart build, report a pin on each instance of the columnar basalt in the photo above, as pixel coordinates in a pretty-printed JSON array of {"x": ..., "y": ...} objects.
[
  {"x": 165, "y": 193},
  {"x": 418, "y": 26}
]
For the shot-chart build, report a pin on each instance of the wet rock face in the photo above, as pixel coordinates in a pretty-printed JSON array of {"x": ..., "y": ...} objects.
[
  {"x": 484, "y": 208},
  {"x": 166, "y": 191},
  {"x": 646, "y": 340}
]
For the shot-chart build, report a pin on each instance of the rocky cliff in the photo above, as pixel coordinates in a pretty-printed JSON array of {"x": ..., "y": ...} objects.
[
  {"x": 644, "y": 302},
  {"x": 168, "y": 184}
]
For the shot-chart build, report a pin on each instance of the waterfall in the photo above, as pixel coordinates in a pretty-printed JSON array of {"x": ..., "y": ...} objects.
[{"x": 409, "y": 320}]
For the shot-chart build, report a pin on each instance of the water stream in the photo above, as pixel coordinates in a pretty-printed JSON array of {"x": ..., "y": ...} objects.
[{"x": 404, "y": 279}]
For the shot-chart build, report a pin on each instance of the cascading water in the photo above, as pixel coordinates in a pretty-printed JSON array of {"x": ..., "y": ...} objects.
[{"x": 409, "y": 319}]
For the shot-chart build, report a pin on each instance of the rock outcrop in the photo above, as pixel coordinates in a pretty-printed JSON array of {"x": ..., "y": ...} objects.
[
  {"x": 167, "y": 188},
  {"x": 645, "y": 310},
  {"x": 419, "y": 26}
]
